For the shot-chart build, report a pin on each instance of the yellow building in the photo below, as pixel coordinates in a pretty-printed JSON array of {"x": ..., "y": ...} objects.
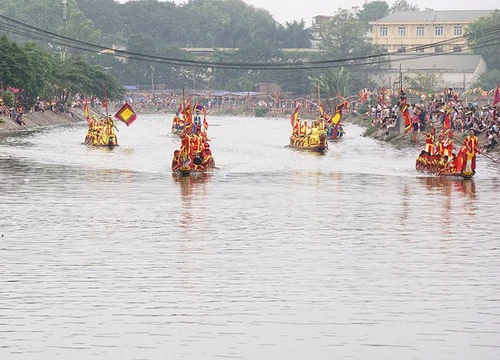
[{"x": 411, "y": 31}]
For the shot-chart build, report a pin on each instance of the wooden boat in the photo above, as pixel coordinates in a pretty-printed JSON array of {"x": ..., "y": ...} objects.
[
  {"x": 198, "y": 165},
  {"x": 308, "y": 138},
  {"x": 309, "y": 143},
  {"x": 194, "y": 155},
  {"x": 439, "y": 166},
  {"x": 101, "y": 133}
]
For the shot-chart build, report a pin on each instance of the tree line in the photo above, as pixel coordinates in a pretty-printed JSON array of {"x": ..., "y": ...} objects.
[
  {"x": 238, "y": 32},
  {"x": 29, "y": 72}
]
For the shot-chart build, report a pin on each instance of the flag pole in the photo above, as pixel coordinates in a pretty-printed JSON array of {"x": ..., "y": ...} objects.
[{"x": 106, "y": 101}]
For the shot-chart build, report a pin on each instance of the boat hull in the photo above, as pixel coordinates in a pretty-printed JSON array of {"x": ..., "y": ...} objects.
[{"x": 299, "y": 144}]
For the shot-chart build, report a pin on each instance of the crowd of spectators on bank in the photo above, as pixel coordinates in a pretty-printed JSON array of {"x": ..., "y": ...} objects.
[
  {"x": 17, "y": 111},
  {"x": 483, "y": 119}
]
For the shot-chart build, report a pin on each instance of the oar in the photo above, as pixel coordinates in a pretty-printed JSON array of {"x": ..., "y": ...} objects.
[
  {"x": 489, "y": 157},
  {"x": 482, "y": 153}
]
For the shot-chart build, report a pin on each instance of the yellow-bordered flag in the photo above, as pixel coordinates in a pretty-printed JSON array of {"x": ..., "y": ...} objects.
[
  {"x": 86, "y": 111},
  {"x": 126, "y": 114},
  {"x": 294, "y": 118}
]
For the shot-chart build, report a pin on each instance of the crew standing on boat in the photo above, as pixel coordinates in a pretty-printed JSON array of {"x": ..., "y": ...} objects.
[
  {"x": 429, "y": 141},
  {"x": 472, "y": 148}
]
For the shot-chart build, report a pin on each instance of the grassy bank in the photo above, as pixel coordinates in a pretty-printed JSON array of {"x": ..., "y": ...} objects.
[{"x": 41, "y": 119}]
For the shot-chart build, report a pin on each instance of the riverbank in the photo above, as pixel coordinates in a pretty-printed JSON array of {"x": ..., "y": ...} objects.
[
  {"x": 399, "y": 140},
  {"x": 41, "y": 119}
]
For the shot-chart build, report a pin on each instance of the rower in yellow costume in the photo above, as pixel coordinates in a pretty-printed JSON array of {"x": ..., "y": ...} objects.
[{"x": 109, "y": 136}]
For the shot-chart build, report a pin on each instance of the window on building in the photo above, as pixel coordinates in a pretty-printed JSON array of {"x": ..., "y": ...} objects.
[
  {"x": 419, "y": 49},
  {"x": 438, "y": 49},
  {"x": 458, "y": 30},
  {"x": 383, "y": 31},
  {"x": 439, "y": 31},
  {"x": 401, "y": 49},
  {"x": 402, "y": 31},
  {"x": 420, "y": 31},
  {"x": 457, "y": 49}
]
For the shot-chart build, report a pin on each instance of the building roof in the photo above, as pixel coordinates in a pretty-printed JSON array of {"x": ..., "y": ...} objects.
[
  {"x": 435, "y": 16},
  {"x": 448, "y": 62}
]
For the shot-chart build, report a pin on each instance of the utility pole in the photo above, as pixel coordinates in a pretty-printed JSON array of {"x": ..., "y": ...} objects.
[
  {"x": 152, "y": 83},
  {"x": 401, "y": 120},
  {"x": 65, "y": 21}
]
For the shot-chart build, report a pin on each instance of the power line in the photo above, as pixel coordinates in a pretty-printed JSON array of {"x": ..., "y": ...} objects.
[{"x": 32, "y": 32}]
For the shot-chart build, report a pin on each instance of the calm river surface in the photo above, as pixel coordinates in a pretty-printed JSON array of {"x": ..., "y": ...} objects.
[{"x": 104, "y": 254}]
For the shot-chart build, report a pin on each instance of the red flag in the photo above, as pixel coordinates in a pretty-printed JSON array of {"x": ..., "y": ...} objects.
[
  {"x": 188, "y": 116},
  {"x": 205, "y": 122},
  {"x": 295, "y": 115},
  {"x": 406, "y": 115},
  {"x": 86, "y": 111},
  {"x": 105, "y": 101},
  {"x": 447, "y": 121},
  {"x": 126, "y": 114},
  {"x": 496, "y": 98}
]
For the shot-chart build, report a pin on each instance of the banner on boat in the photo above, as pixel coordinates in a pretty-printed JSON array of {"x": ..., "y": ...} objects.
[{"x": 126, "y": 114}]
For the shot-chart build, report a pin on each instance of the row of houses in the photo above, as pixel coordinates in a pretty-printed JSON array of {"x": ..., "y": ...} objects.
[
  {"x": 417, "y": 42},
  {"x": 424, "y": 42}
]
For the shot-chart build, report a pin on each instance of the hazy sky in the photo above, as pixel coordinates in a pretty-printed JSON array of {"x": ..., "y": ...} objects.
[{"x": 289, "y": 10}]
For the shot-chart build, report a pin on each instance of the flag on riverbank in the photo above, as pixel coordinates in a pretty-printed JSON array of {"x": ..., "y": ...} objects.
[
  {"x": 126, "y": 114},
  {"x": 496, "y": 98},
  {"x": 406, "y": 114},
  {"x": 86, "y": 111},
  {"x": 447, "y": 122},
  {"x": 294, "y": 118}
]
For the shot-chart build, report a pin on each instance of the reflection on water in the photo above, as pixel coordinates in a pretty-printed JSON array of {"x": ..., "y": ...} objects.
[
  {"x": 276, "y": 254},
  {"x": 188, "y": 183}
]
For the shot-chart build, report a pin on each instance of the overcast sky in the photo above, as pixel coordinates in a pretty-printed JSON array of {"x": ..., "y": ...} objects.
[{"x": 290, "y": 10}]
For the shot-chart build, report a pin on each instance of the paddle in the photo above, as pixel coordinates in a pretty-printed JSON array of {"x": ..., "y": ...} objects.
[
  {"x": 482, "y": 153},
  {"x": 491, "y": 158}
]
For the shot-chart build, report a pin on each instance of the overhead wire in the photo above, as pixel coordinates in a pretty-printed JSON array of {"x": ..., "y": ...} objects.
[{"x": 28, "y": 31}]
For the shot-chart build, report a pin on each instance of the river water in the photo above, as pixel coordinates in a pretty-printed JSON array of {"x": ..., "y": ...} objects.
[{"x": 276, "y": 255}]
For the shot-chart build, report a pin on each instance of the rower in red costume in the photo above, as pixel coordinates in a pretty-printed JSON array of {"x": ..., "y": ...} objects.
[
  {"x": 440, "y": 145},
  {"x": 429, "y": 142},
  {"x": 448, "y": 146},
  {"x": 472, "y": 148}
]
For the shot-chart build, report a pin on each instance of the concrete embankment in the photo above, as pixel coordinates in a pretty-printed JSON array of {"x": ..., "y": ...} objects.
[{"x": 41, "y": 119}]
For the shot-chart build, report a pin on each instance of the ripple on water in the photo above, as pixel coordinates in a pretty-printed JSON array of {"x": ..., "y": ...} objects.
[{"x": 277, "y": 254}]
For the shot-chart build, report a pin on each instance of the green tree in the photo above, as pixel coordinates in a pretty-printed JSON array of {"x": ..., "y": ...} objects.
[
  {"x": 488, "y": 80},
  {"x": 80, "y": 28},
  {"x": 372, "y": 11},
  {"x": 294, "y": 35},
  {"x": 403, "y": 5},
  {"x": 344, "y": 36},
  {"x": 332, "y": 82},
  {"x": 14, "y": 69},
  {"x": 40, "y": 67},
  {"x": 77, "y": 76},
  {"x": 483, "y": 39},
  {"x": 426, "y": 82}
]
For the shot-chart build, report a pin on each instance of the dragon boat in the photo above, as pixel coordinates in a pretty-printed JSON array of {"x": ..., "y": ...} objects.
[
  {"x": 310, "y": 142},
  {"x": 460, "y": 167},
  {"x": 101, "y": 133},
  {"x": 311, "y": 138},
  {"x": 194, "y": 156}
]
